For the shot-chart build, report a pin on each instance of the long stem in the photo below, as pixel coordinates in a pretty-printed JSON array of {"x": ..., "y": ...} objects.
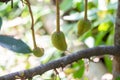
[
  {"x": 57, "y": 17},
  {"x": 85, "y": 15},
  {"x": 32, "y": 25}
]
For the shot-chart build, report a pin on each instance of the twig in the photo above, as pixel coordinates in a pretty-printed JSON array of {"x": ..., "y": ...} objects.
[
  {"x": 87, "y": 53},
  {"x": 32, "y": 25}
]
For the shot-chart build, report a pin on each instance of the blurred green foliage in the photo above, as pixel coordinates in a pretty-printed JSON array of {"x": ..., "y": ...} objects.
[{"x": 101, "y": 32}]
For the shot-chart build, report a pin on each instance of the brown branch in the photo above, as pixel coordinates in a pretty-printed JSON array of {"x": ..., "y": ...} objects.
[
  {"x": 63, "y": 61},
  {"x": 4, "y": 1},
  {"x": 116, "y": 59}
]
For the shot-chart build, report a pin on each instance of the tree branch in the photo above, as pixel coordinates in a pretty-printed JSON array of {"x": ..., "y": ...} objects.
[
  {"x": 63, "y": 61},
  {"x": 116, "y": 59}
]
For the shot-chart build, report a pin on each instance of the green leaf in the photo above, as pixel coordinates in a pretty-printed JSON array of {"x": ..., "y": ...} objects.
[
  {"x": 108, "y": 63},
  {"x": 110, "y": 39},
  {"x": 118, "y": 78},
  {"x": 0, "y": 22},
  {"x": 99, "y": 38},
  {"x": 65, "y": 7},
  {"x": 79, "y": 73},
  {"x": 15, "y": 45},
  {"x": 79, "y": 69}
]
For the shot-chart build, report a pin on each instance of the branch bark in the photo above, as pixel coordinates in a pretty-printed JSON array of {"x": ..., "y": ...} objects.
[
  {"x": 63, "y": 61},
  {"x": 116, "y": 59}
]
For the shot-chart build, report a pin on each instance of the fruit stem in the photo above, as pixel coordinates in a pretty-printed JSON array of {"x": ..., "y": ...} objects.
[
  {"x": 85, "y": 14},
  {"x": 32, "y": 25},
  {"x": 57, "y": 17}
]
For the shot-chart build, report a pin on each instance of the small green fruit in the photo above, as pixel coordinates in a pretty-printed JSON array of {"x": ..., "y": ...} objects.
[
  {"x": 83, "y": 26},
  {"x": 58, "y": 40},
  {"x": 38, "y": 52}
]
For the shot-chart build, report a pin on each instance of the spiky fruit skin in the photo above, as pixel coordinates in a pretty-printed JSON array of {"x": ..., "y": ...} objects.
[
  {"x": 58, "y": 41},
  {"x": 38, "y": 52},
  {"x": 83, "y": 26}
]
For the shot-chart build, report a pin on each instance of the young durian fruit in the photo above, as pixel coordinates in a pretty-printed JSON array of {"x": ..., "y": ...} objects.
[
  {"x": 83, "y": 26},
  {"x": 58, "y": 40},
  {"x": 38, "y": 52}
]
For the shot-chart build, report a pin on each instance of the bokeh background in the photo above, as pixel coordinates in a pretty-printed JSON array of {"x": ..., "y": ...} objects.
[{"x": 16, "y": 22}]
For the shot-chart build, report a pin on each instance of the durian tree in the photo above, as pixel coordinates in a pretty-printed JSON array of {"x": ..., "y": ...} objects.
[{"x": 60, "y": 39}]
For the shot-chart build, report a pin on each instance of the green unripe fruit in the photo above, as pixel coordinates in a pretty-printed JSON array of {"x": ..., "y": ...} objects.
[
  {"x": 38, "y": 52},
  {"x": 83, "y": 26},
  {"x": 58, "y": 41}
]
